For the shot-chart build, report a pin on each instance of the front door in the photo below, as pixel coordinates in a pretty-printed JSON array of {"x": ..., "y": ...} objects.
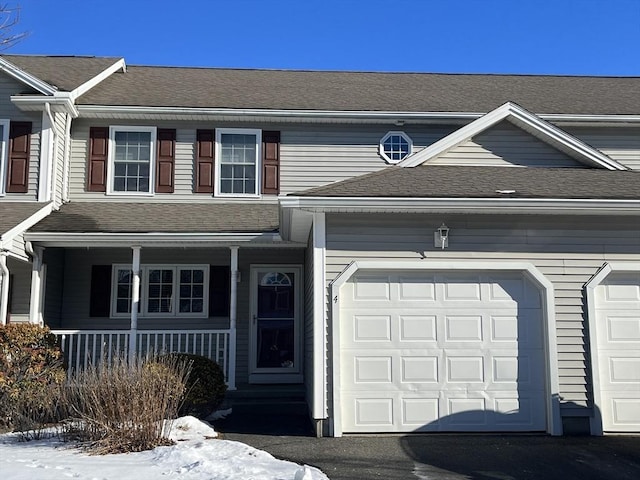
[{"x": 275, "y": 343}]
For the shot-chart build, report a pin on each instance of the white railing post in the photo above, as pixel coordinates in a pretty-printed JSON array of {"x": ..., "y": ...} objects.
[{"x": 135, "y": 300}]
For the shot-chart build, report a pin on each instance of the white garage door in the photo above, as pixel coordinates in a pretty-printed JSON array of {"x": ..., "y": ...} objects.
[
  {"x": 441, "y": 352},
  {"x": 618, "y": 344}
]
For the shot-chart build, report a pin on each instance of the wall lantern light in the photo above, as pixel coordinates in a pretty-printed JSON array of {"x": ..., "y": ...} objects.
[{"x": 441, "y": 237}]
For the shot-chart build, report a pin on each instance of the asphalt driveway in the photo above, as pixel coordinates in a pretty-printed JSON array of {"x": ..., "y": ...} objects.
[{"x": 454, "y": 457}]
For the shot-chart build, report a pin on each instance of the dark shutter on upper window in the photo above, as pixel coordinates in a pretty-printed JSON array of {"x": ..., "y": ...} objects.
[
  {"x": 271, "y": 162},
  {"x": 19, "y": 149},
  {"x": 219, "y": 278},
  {"x": 100, "y": 298},
  {"x": 97, "y": 166},
  {"x": 204, "y": 167},
  {"x": 166, "y": 160}
]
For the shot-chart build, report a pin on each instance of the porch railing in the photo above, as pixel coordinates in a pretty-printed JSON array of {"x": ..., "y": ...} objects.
[{"x": 86, "y": 347}]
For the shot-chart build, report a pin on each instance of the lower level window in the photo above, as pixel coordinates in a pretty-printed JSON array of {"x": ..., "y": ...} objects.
[{"x": 166, "y": 290}]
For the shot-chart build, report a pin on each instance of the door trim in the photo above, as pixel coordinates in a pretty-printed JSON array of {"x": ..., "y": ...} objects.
[{"x": 265, "y": 376}]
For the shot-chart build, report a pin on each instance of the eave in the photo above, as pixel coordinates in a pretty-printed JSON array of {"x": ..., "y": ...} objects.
[
  {"x": 26, "y": 78},
  {"x": 61, "y": 102}
]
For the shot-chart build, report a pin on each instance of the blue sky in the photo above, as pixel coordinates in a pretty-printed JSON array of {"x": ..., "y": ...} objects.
[{"x": 583, "y": 37}]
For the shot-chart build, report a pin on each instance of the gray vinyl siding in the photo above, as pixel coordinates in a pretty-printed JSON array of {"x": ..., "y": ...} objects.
[
  {"x": 310, "y": 155},
  {"x": 8, "y": 87},
  {"x": 77, "y": 283},
  {"x": 18, "y": 246},
  {"x": 505, "y": 145},
  {"x": 622, "y": 144},
  {"x": 564, "y": 249},
  {"x": 20, "y": 290}
]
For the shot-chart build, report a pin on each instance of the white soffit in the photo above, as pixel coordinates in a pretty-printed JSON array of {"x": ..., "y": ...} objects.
[{"x": 525, "y": 120}]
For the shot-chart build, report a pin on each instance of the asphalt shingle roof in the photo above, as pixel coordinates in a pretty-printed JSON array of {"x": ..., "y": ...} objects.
[
  {"x": 12, "y": 213},
  {"x": 65, "y": 73},
  {"x": 364, "y": 91},
  {"x": 436, "y": 181},
  {"x": 116, "y": 217}
]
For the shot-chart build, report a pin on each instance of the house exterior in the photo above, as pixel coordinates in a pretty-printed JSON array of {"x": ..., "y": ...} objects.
[{"x": 414, "y": 252}]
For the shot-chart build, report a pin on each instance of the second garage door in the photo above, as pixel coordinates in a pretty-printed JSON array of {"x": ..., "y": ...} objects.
[{"x": 441, "y": 352}]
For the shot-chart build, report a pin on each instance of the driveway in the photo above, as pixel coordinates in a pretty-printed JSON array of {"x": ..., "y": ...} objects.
[{"x": 456, "y": 457}]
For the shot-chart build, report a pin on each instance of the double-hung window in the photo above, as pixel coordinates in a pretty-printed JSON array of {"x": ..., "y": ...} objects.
[
  {"x": 166, "y": 291},
  {"x": 4, "y": 154},
  {"x": 238, "y": 165},
  {"x": 131, "y": 160}
]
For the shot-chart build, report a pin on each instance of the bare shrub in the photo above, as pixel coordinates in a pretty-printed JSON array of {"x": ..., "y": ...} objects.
[{"x": 122, "y": 406}]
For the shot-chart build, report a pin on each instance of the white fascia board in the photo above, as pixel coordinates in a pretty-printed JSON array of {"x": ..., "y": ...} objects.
[
  {"x": 27, "y": 223},
  {"x": 508, "y": 111},
  {"x": 59, "y": 102},
  {"x": 26, "y": 78},
  {"x": 549, "y": 206},
  {"x": 62, "y": 239},
  {"x": 88, "y": 85}
]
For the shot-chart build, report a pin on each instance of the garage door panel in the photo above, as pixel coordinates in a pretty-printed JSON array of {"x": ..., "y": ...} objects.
[{"x": 444, "y": 352}]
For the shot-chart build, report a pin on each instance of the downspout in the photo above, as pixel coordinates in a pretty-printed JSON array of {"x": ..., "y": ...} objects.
[
  {"x": 135, "y": 301},
  {"x": 66, "y": 159},
  {"x": 4, "y": 288},
  {"x": 233, "y": 316}
]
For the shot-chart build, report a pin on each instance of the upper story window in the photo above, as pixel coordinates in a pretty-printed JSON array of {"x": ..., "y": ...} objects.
[
  {"x": 132, "y": 160},
  {"x": 238, "y": 151},
  {"x": 4, "y": 154},
  {"x": 395, "y": 146}
]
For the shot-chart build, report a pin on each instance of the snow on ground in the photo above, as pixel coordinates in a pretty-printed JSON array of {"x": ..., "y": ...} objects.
[{"x": 196, "y": 456}]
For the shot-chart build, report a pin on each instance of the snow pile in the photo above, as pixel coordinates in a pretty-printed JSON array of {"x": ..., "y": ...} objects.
[{"x": 196, "y": 456}]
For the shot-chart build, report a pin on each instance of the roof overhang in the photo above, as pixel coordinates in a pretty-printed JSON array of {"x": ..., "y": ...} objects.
[
  {"x": 398, "y": 118},
  {"x": 525, "y": 120},
  {"x": 61, "y": 102},
  {"x": 26, "y": 78},
  {"x": 294, "y": 224},
  {"x": 177, "y": 240}
]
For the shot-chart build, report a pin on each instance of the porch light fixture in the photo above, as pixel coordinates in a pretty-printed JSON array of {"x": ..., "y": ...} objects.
[{"x": 441, "y": 237}]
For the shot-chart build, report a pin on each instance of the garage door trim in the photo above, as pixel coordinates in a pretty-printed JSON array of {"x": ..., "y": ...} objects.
[
  {"x": 590, "y": 288},
  {"x": 554, "y": 423}
]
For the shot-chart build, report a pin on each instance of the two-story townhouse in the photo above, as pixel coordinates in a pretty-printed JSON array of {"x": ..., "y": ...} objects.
[{"x": 413, "y": 252}]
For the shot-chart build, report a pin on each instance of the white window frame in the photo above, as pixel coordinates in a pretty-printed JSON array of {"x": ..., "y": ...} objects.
[
  {"x": 111, "y": 158},
  {"x": 218, "y": 157},
  {"x": 4, "y": 155},
  {"x": 384, "y": 155},
  {"x": 175, "y": 297}
]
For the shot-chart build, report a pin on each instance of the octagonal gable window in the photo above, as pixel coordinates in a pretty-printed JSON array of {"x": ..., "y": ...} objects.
[{"x": 395, "y": 147}]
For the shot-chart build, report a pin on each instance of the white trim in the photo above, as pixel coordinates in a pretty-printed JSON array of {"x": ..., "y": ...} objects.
[
  {"x": 554, "y": 422},
  {"x": 463, "y": 205},
  {"x": 319, "y": 245},
  {"x": 144, "y": 270},
  {"x": 510, "y": 111},
  {"x": 389, "y": 134},
  {"x": 334, "y": 115},
  {"x": 590, "y": 288},
  {"x": 4, "y": 154},
  {"x": 47, "y": 152},
  {"x": 27, "y": 223},
  {"x": 89, "y": 84},
  {"x": 27, "y": 78},
  {"x": 113, "y": 129},
  {"x": 62, "y": 239},
  {"x": 60, "y": 102},
  {"x": 277, "y": 375},
  {"x": 218, "y": 160}
]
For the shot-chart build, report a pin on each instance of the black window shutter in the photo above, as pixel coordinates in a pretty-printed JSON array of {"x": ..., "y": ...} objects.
[
  {"x": 219, "y": 277},
  {"x": 100, "y": 300}
]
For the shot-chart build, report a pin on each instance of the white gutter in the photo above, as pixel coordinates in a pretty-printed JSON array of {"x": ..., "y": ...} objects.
[
  {"x": 4, "y": 288},
  {"x": 126, "y": 239},
  {"x": 390, "y": 116},
  {"x": 464, "y": 205},
  {"x": 88, "y": 85},
  {"x": 60, "y": 102}
]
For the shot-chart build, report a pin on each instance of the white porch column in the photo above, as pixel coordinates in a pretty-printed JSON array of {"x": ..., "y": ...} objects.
[
  {"x": 4, "y": 288},
  {"x": 319, "y": 239},
  {"x": 37, "y": 291},
  {"x": 135, "y": 299},
  {"x": 233, "y": 316}
]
